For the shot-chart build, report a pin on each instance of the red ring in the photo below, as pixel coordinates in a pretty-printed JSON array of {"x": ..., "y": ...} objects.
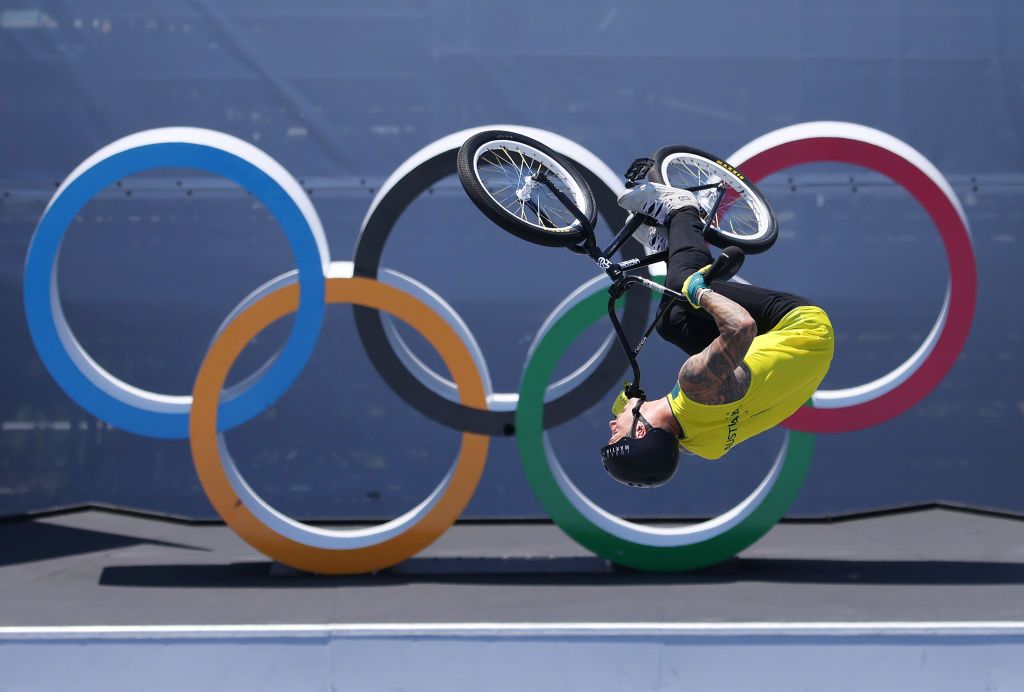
[{"x": 959, "y": 253}]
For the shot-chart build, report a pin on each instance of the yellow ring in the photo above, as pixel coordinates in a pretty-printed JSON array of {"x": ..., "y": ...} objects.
[{"x": 210, "y": 466}]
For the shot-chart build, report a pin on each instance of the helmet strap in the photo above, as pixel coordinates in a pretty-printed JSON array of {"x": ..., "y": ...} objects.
[{"x": 636, "y": 414}]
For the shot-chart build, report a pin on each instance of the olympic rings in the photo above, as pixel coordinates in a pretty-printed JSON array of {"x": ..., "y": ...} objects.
[
  {"x": 467, "y": 402},
  {"x": 425, "y": 390},
  {"x": 856, "y": 408},
  {"x": 307, "y": 547},
  {"x": 84, "y": 380},
  {"x": 623, "y": 542}
]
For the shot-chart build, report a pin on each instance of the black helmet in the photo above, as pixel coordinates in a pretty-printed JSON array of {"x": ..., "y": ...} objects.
[{"x": 644, "y": 462}]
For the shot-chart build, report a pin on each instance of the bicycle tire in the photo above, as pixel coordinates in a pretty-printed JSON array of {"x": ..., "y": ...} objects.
[
  {"x": 496, "y": 158},
  {"x": 744, "y": 217}
]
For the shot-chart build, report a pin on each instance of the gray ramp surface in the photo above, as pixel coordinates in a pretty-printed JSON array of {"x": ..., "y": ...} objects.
[{"x": 95, "y": 567}]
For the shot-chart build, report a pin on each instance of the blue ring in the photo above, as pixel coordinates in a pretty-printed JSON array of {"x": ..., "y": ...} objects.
[{"x": 41, "y": 298}]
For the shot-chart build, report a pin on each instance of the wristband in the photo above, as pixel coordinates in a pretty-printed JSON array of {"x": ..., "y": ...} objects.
[{"x": 693, "y": 285}]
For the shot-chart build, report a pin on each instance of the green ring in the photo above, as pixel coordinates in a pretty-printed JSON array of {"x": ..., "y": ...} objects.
[{"x": 655, "y": 549}]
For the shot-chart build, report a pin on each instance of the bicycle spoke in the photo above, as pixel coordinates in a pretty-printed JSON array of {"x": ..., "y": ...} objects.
[
  {"x": 501, "y": 165},
  {"x": 496, "y": 161},
  {"x": 511, "y": 161},
  {"x": 522, "y": 164},
  {"x": 541, "y": 216},
  {"x": 696, "y": 175}
]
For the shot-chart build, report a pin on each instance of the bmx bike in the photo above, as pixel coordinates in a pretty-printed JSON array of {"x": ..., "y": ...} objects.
[{"x": 531, "y": 191}]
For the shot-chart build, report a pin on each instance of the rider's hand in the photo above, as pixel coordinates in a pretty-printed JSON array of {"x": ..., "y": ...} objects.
[{"x": 694, "y": 285}]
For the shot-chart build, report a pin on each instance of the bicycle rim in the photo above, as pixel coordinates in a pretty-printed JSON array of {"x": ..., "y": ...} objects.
[{"x": 507, "y": 171}]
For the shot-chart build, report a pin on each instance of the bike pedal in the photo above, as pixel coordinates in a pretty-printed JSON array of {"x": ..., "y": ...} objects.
[{"x": 637, "y": 171}]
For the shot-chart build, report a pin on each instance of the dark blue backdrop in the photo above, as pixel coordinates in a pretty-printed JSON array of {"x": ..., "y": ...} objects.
[{"x": 342, "y": 93}]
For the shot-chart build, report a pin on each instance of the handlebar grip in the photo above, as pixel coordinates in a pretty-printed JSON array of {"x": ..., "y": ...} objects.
[{"x": 725, "y": 265}]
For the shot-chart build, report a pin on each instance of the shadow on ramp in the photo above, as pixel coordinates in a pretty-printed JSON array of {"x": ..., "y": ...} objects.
[
  {"x": 590, "y": 571},
  {"x": 32, "y": 541}
]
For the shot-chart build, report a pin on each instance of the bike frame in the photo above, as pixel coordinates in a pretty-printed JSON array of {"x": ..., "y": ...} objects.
[{"x": 619, "y": 272}]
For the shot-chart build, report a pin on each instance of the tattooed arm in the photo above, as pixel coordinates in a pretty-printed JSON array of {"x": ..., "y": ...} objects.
[{"x": 717, "y": 374}]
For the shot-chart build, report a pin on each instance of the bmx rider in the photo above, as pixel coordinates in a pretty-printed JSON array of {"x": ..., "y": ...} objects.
[{"x": 756, "y": 355}]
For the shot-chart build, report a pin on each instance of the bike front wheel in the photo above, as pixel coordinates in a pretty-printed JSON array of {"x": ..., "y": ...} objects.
[
  {"x": 743, "y": 217},
  {"x": 501, "y": 172}
]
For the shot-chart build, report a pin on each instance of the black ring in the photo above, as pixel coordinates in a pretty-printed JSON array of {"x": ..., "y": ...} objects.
[{"x": 370, "y": 328}]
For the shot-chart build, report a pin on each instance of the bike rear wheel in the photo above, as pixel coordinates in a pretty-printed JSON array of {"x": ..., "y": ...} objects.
[
  {"x": 499, "y": 171},
  {"x": 743, "y": 218}
]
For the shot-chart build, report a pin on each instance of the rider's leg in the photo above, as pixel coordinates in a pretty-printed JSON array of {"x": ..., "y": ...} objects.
[
  {"x": 689, "y": 329},
  {"x": 693, "y": 330}
]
